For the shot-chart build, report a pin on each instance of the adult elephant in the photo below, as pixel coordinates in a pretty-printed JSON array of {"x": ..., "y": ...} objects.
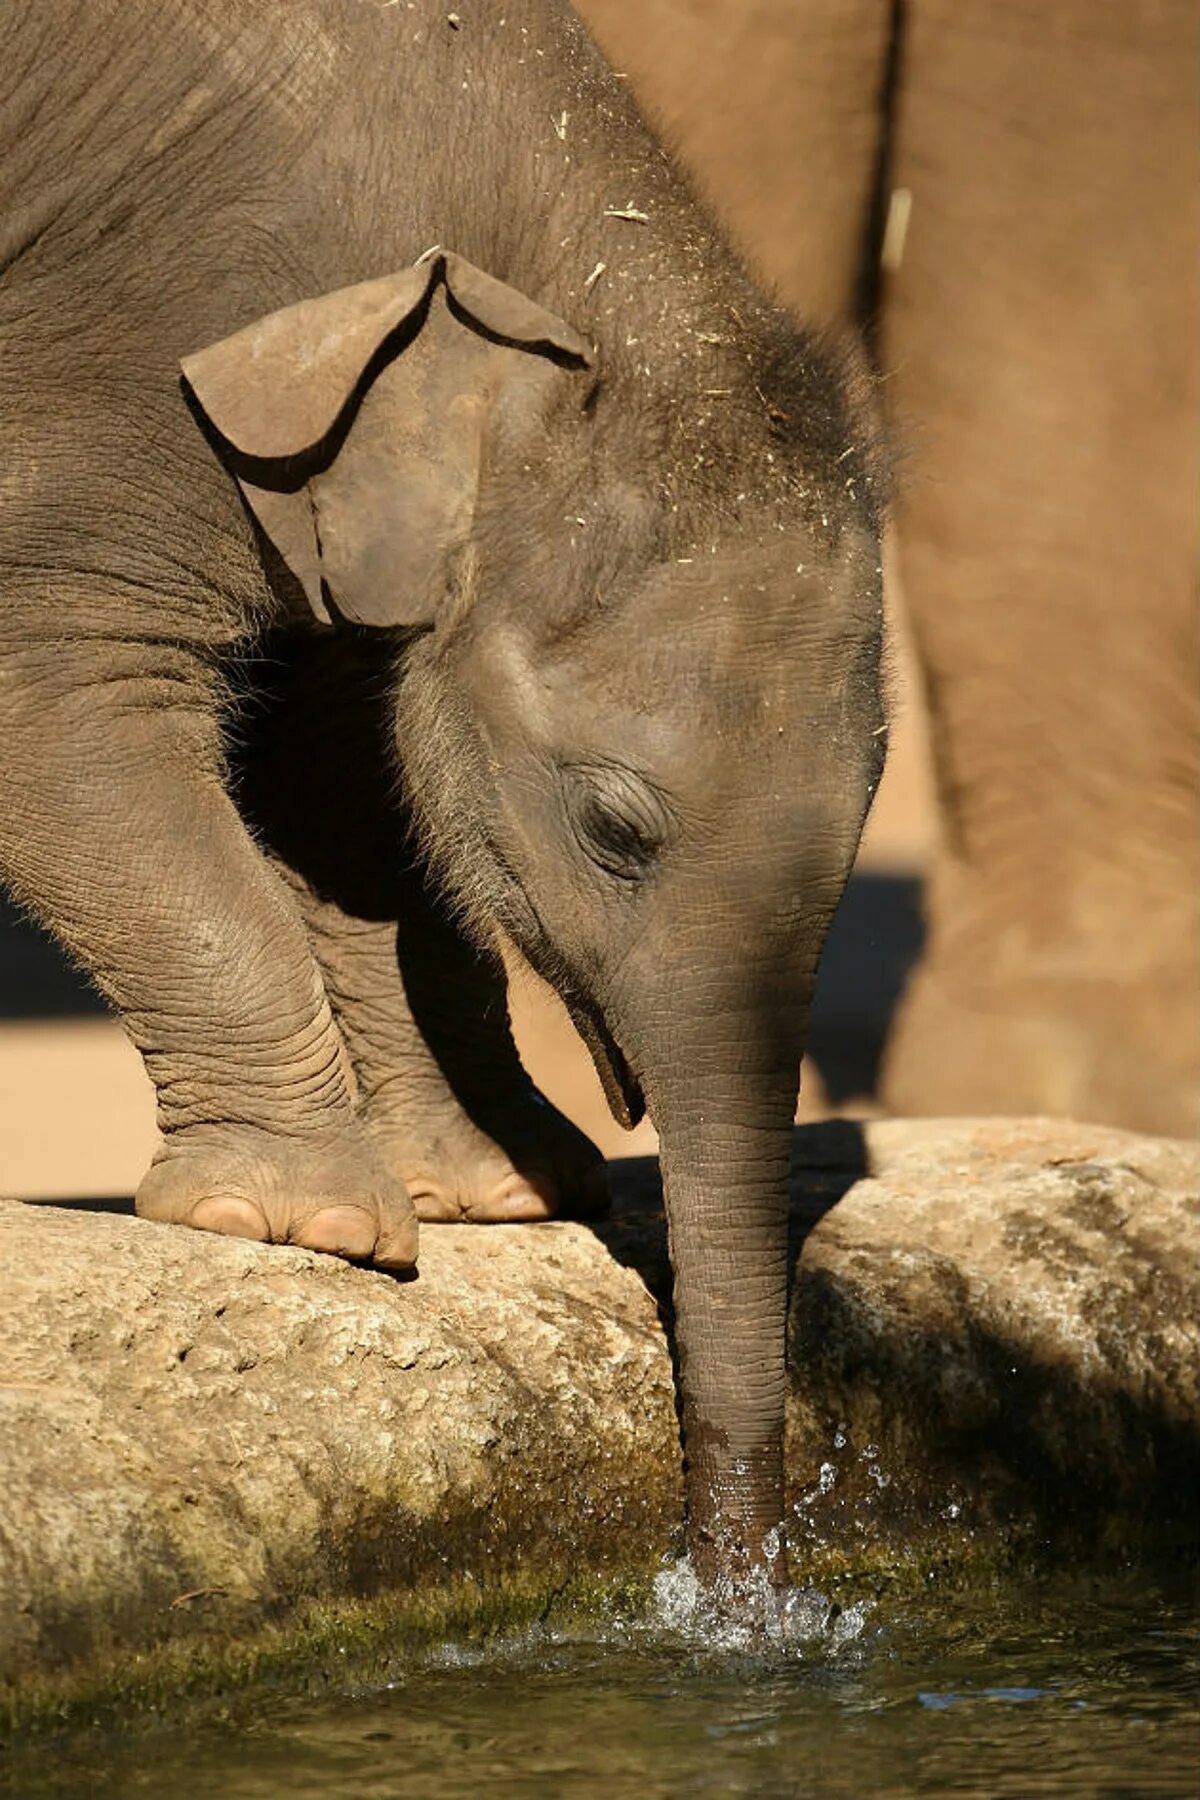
[{"x": 1029, "y": 174}]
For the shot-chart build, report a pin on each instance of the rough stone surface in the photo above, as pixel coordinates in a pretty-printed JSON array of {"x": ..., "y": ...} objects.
[
  {"x": 995, "y": 1339},
  {"x": 198, "y": 1433},
  {"x": 1002, "y": 1327}
]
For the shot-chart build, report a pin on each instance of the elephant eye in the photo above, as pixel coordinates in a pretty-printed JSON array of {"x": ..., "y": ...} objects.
[{"x": 620, "y": 822}]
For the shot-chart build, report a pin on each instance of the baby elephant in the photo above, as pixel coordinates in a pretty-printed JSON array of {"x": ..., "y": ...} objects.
[{"x": 530, "y": 589}]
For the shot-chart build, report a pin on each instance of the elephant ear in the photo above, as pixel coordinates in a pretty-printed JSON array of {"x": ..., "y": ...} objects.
[{"x": 354, "y": 425}]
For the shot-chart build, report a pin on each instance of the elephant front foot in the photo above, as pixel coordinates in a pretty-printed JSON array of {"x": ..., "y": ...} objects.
[
  {"x": 513, "y": 1160},
  {"x": 335, "y": 1195}
]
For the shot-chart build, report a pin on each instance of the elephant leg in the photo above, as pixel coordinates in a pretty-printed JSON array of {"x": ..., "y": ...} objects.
[
  {"x": 440, "y": 1087},
  {"x": 1042, "y": 329},
  {"x": 116, "y": 829}
]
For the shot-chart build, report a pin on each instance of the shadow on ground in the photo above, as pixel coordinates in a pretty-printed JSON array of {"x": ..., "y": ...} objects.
[{"x": 37, "y": 981}]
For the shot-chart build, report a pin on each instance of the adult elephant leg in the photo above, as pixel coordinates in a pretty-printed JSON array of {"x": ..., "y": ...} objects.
[
  {"x": 778, "y": 113},
  {"x": 440, "y": 1087},
  {"x": 116, "y": 830},
  {"x": 1042, "y": 329}
]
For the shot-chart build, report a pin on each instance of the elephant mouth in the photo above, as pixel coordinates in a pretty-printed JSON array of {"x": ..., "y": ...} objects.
[{"x": 622, "y": 1089}]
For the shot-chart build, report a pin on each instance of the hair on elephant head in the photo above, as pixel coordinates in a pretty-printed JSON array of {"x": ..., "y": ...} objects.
[{"x": 637, "y": 714}]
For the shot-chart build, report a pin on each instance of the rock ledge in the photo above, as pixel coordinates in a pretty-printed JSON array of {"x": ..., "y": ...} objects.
[{"x": 221, "y": 1458}]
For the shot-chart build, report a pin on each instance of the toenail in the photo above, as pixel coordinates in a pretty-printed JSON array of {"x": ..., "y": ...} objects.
[
  {"x": 235, "y": 1218},
  {"x": 514, "y": 1201},
  {"x": 338, "y": 1231}
]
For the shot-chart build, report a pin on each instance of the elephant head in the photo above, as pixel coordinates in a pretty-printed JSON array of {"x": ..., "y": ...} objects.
[{"x": 637, "y": 712}]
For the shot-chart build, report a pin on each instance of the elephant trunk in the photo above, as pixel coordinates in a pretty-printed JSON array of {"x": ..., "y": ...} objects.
[{"x": 725, "y": 1143}]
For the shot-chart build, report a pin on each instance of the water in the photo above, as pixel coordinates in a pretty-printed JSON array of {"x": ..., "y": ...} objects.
[{"x": 1087, "y": 1691}]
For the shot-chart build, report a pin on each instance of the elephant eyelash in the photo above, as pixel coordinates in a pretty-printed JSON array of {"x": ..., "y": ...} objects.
[
  {"x": 620, "y": 822},
  {"x": 617, "y": 844}
]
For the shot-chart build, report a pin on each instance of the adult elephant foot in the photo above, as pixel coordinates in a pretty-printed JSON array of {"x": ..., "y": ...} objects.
[
  {"x": 1118, "y": 1052},
  {"x": 514, "y": 1158},
  {"x": 332, "y": 1193}
]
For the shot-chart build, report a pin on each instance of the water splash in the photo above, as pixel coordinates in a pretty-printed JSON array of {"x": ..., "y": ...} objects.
[{"x": 750, "y": 1615}]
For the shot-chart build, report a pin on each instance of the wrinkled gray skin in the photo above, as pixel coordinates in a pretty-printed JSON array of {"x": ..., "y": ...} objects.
[{"x": 637, "y": 720}]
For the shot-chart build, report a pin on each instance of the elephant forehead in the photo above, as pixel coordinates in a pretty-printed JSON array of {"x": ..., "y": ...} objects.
[
  {"x": 738, "y": 634},
  {"x": 708, "y": 669},
  {"x": 707, "y": 740},
  {"x": 779, "y": 591}
]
